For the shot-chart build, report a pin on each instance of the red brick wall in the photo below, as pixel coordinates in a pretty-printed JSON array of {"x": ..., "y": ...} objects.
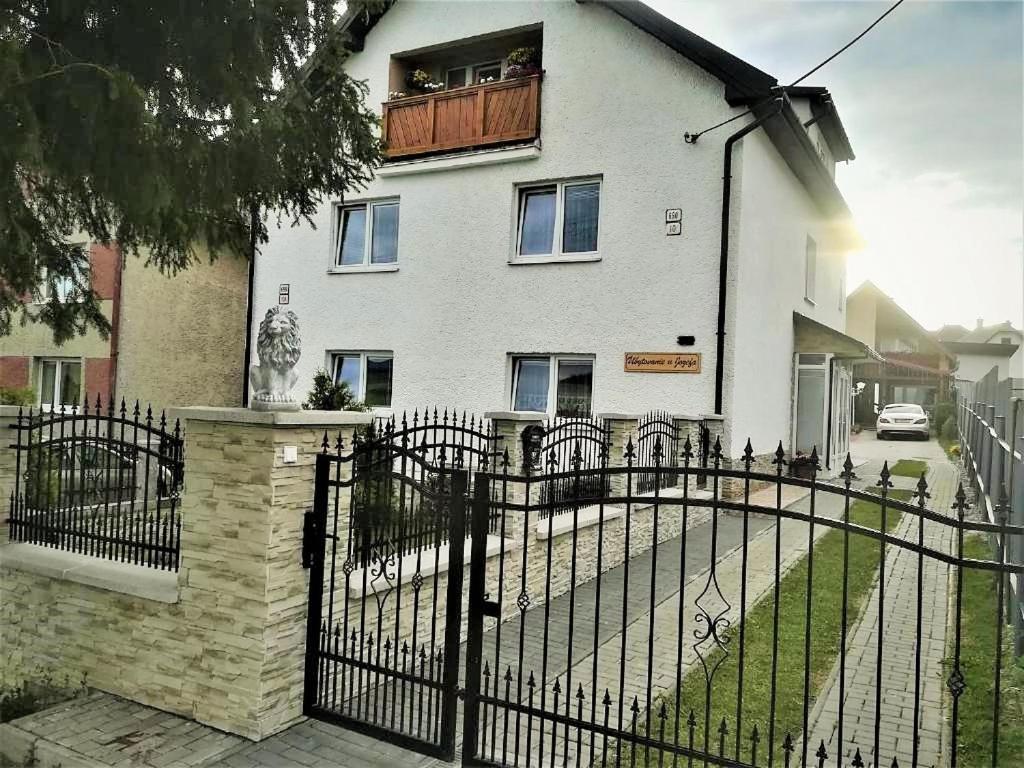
[
  {"x": 97, "y": 379},
  {"x": 105, "y": 263},
  {"x": 14, "y": 371}
]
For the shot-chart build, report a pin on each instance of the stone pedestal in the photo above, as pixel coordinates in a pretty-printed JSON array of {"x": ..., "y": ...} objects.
[
  {"x": 622, "y": 427},
  {"x": 243, "y": 588},
  {"x": 687, "y": 425},
  {"x": 8, "y": 464}
]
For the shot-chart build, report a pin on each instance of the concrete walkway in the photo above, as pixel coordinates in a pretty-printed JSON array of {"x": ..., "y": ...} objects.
[{"x": 899, "y": 638}]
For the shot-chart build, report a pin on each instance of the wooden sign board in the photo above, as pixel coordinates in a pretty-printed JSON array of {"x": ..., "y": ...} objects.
[{"x": 662, "y": 362}]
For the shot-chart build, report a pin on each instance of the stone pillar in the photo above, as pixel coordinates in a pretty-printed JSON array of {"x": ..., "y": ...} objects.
[
  {"x": 621, "y": 428},
  {"x": 687, "y": 425},
  {"x": 248, "y": 481},
  {"x": 8, "y": 463},
  {"x": 716, "y": 428}
]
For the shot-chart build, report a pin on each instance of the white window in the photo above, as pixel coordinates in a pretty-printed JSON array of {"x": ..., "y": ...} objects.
[
  {"x": 459, "y": 77},
  {"x": 368, "y": 375},
  {"x": 60, "y": 382},
  {"x": 366, "y": 234},
  {"x": 63, "y": 286},
  {"x": 561, "y": 385},
  {"x": 559, "y": 219},
  {"x": 810, "y": 269}
]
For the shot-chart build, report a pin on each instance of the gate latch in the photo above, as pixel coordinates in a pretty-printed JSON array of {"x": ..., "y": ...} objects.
[
  {"x": 308, "y": 538},
  {"x": 492, "y": 609}
]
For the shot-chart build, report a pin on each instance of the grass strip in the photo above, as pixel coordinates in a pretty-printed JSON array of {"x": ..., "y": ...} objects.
[
  {"x": 908, "y": 468},
  {"x": 978, "y": 660},
  {"x": 826, "y": 623}
]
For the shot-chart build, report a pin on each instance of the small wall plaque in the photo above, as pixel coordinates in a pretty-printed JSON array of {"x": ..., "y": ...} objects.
[
  {"x": 673, "y": 228},
  {"x": 284, "y": 293},
  {"x": 673, "y": 214},
  {"x": 662, "y": 362}
]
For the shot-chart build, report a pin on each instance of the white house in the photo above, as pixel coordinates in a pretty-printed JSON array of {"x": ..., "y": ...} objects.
[
  {"x": 543, "y": 225},
  {"x": 983, "y": 348}
]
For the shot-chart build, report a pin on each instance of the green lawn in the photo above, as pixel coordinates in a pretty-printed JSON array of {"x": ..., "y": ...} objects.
[
  {"x": 977, "y": 657},
  {"x": 826, "y": 622},
  {"x": 908, "y": 467}
]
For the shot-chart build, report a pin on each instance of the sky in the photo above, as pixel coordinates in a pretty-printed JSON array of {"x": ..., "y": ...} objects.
[{"x": 933, "y": 102}]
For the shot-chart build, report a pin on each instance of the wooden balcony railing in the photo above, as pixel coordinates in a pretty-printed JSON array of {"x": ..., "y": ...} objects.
[{"x": 475, "y": 116}]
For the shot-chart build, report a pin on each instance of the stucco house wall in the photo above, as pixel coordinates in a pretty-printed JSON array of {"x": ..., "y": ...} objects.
[
  {"x": 615, "y": 103},
  {"x": 182, "y": 336},
  {"x": 768, "y": 266},
  {"x": 974, "y": 367},
  {"x": 861, "y": 313}
]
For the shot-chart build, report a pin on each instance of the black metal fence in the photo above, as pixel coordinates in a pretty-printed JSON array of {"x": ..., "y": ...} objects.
[
  {"x": 572, "y": 448},
  {"x": 102, "y": 481},
  {"x": 657, "y": 444},
  {"x": 638, "y": 650}
]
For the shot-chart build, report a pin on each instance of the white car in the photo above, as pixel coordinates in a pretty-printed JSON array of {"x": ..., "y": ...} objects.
[{"x": 902, "y": 419}]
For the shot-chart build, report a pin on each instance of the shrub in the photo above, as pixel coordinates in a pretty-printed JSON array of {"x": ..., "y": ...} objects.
[
  {"x": 523, "y": 56},
  {"x": 17, "y": 396},
  {"x": 943, "y": 411},
  {"x": 949, "y": 430},
  {"x": 326, "y": 395}
]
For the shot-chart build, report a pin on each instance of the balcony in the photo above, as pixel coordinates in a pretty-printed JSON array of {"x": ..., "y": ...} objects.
[{"x": 475, "y": 116}]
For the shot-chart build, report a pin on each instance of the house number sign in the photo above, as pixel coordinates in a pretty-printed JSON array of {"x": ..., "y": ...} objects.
[{"x": 662, "y": 362}]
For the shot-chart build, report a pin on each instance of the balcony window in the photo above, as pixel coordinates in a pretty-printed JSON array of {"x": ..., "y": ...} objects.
[
  {"x": 559, "y": 219},
  {"x": 474, "y": 74},
  {"x": 367, "y": 234}
]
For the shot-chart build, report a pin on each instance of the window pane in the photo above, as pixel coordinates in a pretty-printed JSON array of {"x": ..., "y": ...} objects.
[
  {"x": 579, "y": 229},
  {"x": 810, "y": 274},
  {"x": 483, "y": 73},
  {"x": 47, "y": 382},
  {"x": 352, "y": 237},
  {"x": 385, "y": 234},
  {"x": 456, "y": 78},
  {"x": 378, "y": 380},
  {"x": 537, "y": 222},
  {"x": 575, "y": 385},
  {"x": 531, "y": 385},
  {"x": 346, "y": 369},
  {"x": 70, "y": 383}
]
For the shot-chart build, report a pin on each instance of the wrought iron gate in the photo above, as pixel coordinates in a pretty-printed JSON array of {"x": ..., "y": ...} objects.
[
  {"x": 385, "y": 551},
  {"x": 647, "y": 628}
]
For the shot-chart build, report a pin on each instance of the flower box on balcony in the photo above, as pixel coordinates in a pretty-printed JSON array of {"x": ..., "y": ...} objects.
[{"x": 475, "y": 116}]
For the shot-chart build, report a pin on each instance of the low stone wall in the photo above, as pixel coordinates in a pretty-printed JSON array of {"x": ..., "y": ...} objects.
[{"x": 221, "y": 641}]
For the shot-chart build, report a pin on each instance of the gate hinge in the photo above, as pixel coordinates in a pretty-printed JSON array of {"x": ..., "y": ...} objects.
[{"x": 309, "y": 531}]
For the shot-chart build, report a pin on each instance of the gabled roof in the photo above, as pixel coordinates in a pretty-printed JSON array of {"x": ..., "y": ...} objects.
[
  {"x": 981, "y": 334},
  {"x": 868, "y": 288},
  {"x": 950, "y": 333}
]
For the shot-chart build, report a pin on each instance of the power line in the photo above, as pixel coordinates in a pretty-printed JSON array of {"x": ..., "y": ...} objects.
[
  {"x": 691, "y": 138},
  {"x": 873, "y": 24}
]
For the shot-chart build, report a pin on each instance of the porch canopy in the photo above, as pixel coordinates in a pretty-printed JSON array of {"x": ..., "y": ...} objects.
[{"x": 810, "y": 337}]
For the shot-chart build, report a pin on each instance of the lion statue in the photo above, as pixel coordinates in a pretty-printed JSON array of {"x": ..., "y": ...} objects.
[{"x": 278, "y": 348}]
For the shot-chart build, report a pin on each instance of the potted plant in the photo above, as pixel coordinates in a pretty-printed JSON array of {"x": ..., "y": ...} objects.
[
  {"x": 804, "y": 466},
  {"x": 421, "y": 80},
  {"x": 522, "y": 62}
]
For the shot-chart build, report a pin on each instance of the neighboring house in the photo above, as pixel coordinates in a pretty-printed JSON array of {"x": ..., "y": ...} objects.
[
  {"x": 983, "y": 348},
  {"x": 530, "y": 233},
  {"x": 174, "y": 340},
  {"x": 917, "y": 367}
]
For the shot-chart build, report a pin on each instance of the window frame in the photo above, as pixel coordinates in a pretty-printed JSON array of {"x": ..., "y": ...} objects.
[
  {"x": 469, "y": 70},
  {"x": 44, "y": 287},
  {"x": 366, "y": 265},
  {"x": 57, "y": 379},
  {"x": 553, "y": 360},
  {"x": 334, "y": 357},
  {"x": 810, "y": 269},
  {"x": 557, "y": 254}
]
